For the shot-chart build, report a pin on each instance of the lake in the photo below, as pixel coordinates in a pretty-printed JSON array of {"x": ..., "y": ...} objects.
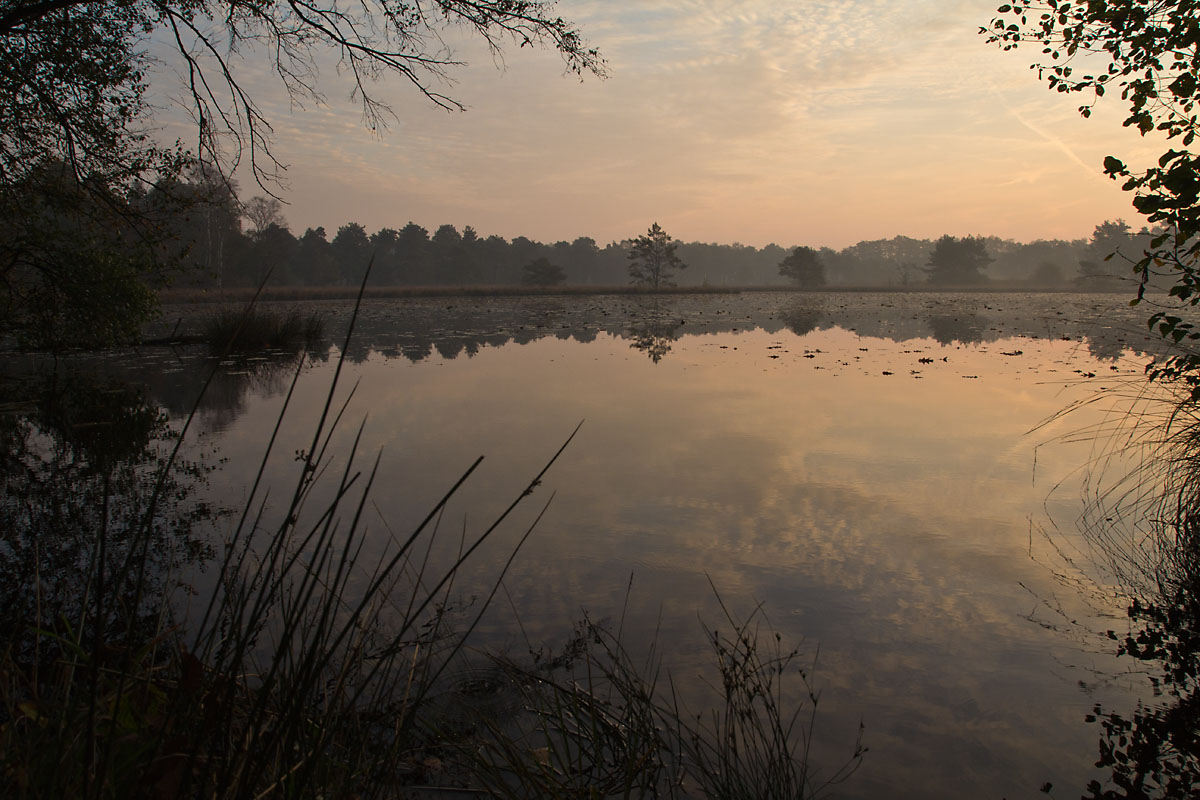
[{"x": 884, "y": 473}]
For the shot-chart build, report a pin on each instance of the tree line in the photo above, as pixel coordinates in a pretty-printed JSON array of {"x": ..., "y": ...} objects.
[{"x": 230, "y": 244}]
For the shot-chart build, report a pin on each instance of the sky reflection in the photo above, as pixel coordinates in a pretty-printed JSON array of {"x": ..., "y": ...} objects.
[{"x": 878, "y": 495}]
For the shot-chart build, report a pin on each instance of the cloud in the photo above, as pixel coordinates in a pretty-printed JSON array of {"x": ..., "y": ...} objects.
[{"x": 820, "y": 122}]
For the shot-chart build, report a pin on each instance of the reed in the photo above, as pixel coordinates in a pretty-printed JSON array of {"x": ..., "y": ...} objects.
[
  {"x": 311, "y": 671},
  {"x": 256, "y": 329},
  {"x": 303, "y": 674},
  {"x": 601, "y": 721}
]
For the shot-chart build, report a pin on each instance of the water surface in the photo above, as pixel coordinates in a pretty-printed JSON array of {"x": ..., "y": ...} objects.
[{"x": 861, "y": 465}]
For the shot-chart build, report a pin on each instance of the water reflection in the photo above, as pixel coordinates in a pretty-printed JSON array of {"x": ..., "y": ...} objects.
[
  {"x": 416, "y": 328},
  {"x": 1144, "y": 527},
  {"x": 876, "y": 501},
  {"x": 877, "y": 504},
  {"x": 803, "y": 319},
  {"x": 653, "y": 329},
  {"x": 958, "y": 328},
  {"x": 93, "y": 526}
]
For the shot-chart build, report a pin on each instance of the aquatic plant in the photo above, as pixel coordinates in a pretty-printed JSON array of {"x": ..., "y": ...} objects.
[
  {"x": 256, "y": 329},
  {"x": 1142, "y": 525}
]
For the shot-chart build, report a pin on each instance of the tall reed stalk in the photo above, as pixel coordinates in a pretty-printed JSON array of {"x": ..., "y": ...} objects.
[
  {"x": 312, "y": 671},
  {"x": 303, "y": 675}
]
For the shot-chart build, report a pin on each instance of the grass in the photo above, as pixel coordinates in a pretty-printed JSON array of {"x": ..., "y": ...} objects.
[
  {"x": 1141, "y": 528},
  {"x": 603, "y": 722},
  {"x": 310, "y": 671},
  {"x": 255, "y": 329}
]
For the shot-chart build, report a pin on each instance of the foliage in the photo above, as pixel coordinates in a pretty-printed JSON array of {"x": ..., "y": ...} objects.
[
  {"x": 76, "y": 268},
  {"x": 540, "y": 272},
  {"x": 351, "y": 248},
  {"x": 958, "y": 262},
  {"x": 73, "y": 94},
  {"x": 1111, "y": 244},
  {"x": 804, "y": 268},
  {"x": 652, "y": 259},
  {"x": 1141, "y": 525},
  {"x": 1145, "y": 49},
  {"x": 90, "y": 116}
]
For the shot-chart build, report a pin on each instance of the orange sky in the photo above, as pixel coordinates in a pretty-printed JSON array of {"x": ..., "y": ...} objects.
[{"x": 755, "y": 121}]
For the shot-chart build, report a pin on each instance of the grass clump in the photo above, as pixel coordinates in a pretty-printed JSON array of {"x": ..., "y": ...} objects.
[
  {"x": 257, "y": 329},
  {"x": 600, "y": 722}
]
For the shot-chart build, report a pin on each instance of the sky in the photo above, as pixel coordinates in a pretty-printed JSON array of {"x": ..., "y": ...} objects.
[{"x": 809, "y": 122}]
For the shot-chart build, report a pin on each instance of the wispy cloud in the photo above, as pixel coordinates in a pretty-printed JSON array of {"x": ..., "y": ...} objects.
[{"x": 818, "y": 122}]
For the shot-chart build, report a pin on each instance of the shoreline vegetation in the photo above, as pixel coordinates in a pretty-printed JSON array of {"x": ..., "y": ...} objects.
[{"x": 180, "y": 296}]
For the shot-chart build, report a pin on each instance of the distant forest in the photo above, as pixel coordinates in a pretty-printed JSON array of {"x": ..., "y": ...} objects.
[{"x": 224, "y": 243}]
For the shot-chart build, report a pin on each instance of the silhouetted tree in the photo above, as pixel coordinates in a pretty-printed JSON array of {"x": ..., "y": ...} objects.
[
  {"x": 1108, "y": 256},
  {"x": 415, "y": 255},
  {"x": 540, "y": 272},
  {"x": 804, "y": 268},
  {"x": 351, "y": 249},
  {"x": 385, "y": 250},
  {"x": 206, "y": 219},
  {"x": 520, "y": 253},
  {"x": 74, "y": 89},
  {"x": 71, "y": 271},
  {"x": 652, "y": 259},
  {"x": 262, "y": 212},
  {"x": 581, "y": 260},
  {"x": 314, "y": 261},
  {"x": 446, "y": 246},
  {"x": 271, "y": 250},
  {"x": 958, "y": 262}
]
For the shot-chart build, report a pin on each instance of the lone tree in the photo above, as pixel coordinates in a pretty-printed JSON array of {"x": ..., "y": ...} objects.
[
  {"x": 540, "y": 272},
  {"x": 958, "y": 262},
  {"x": 74, "y": 104},
  {"x": 804, "y": 268},
  {"x": 652, "y": 259}
]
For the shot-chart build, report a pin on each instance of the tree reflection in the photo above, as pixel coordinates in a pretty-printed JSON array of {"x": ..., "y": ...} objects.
[
  {"x": 222, "y": 392},
  {"x": 803, "y": 319},
  {"x": 960, "y": 328},
  {"x": 93, "y": 522},
  {"x": 653, "y": 329},
  {"x": 1111, "y": 348}
]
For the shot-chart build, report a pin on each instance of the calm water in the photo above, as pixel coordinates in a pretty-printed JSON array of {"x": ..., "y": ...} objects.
[{"x": 861, "y": 465}]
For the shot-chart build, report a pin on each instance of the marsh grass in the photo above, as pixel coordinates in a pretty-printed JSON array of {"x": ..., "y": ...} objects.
[
  {"x": 256, "y": 329},
  {"x": 603, "y": 722},
  {"x": 304, "y": 672},
  {"x": 311, "y": 670},
  {"x": 1141, "y": 554}
]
